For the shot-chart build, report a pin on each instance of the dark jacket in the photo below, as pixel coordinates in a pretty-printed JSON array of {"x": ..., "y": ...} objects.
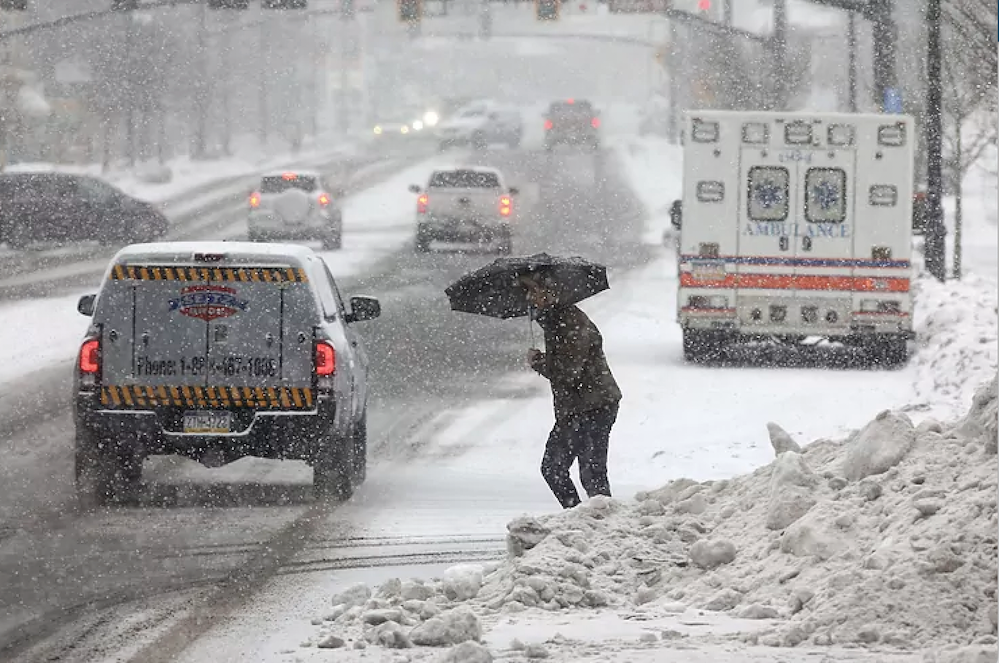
[{"x": 574, "y": 363}]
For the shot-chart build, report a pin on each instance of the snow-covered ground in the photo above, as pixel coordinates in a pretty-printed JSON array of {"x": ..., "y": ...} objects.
[
  {"x": 377, "y": 222},
  {"x": 900, "y": 513}
]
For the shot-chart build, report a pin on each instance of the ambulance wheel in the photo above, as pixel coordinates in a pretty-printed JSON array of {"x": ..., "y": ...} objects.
[
  {"x": 699, "y": 346},
  {"x": 105, "y": 473},
  {"x": 332, "y": 469},
  {"x": 889, "y": 352}
]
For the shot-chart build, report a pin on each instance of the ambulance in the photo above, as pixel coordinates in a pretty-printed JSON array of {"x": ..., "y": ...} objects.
[{"x": 796, "y": 226}]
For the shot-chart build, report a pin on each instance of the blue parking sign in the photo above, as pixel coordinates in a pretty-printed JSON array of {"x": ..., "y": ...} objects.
[{"x": 892, "y": 100}]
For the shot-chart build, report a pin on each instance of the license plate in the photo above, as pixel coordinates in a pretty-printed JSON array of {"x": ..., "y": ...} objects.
[
  {"x": 205, "y": 422},
  {"x": 708, "y": 270}
]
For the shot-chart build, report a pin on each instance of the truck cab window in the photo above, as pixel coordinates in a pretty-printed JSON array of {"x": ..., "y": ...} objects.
[
  {"x": 825, "y": 195},
  {"x": 768, "y": 193}
]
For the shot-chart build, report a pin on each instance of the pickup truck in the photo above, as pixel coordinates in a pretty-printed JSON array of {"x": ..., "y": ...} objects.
[
  {"x": 480, "y": 125},
  {"x": 465, "y": 205}
]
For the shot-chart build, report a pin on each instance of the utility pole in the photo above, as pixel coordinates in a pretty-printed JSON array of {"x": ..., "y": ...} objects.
[
  {"x": 130, "y": 87},
  {"x": 673, "y": 80},
  {"x": 224, "y": 82},
  {"x": 883, "y": 36},
  {"x": 5, "y": 111},
  {"x": 851, "y": 45},
  {"x": 343, "y": 102},
  {"x": 728, "y": 13},
  {"x": 201, "y": 86},
  {"x": 935, "y": 244},
  {"x": 263, "y": 77},
  {"x": 778, "y": 54}
]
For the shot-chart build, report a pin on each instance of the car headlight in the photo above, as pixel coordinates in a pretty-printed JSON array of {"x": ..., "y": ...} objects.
[
  {"x": 378, "y": 131},
  {"x": 430, "y": 118},
  {"x": 404, "y": 130},
  {"x": 417, "y": 125}
]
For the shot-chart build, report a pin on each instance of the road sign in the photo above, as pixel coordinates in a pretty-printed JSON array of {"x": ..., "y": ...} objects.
[{"x": 892, "y": 100}]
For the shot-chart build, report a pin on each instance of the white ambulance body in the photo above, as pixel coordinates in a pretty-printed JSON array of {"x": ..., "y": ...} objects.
[{"x": 796, "y": 225}]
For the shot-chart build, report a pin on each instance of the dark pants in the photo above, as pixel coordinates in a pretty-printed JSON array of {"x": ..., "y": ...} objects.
[{"x": 584, "y": 437}]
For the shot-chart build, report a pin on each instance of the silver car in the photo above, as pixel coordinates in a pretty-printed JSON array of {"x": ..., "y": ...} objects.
[{"x": 296, "y": 205}]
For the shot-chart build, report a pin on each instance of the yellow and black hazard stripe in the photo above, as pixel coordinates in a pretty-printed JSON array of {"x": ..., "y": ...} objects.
[
  {"x": 209, "y": 274},
  {"x": 142, "y": 396}
]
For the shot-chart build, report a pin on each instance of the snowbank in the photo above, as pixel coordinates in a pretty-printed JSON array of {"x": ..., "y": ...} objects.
[
  {"x": 957, "y": 323},
  {"x": 885, "y": 539}
]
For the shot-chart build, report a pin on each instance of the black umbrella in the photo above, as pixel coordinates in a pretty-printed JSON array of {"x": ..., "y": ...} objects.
[{"x": 496, "y": 291}]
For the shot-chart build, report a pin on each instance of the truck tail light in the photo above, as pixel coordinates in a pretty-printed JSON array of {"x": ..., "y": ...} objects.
[
  {"x": 421, "y": 204},
  {"x": 505, "y": 205},
  {"x": 595, "y": 123},
  {"x": 548, "y": 125},
  {"x": 254, "y": 200},
  {"x": 325, "y": 359},
  {"x": 90, "y": 357},
  {"x": 324, "y": 200}
]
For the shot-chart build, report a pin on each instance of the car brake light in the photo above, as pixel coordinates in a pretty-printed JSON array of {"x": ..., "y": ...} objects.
[
  {"x": 595, "y": 122},
  {"x": 90, "y": 357},
  {"x": 505, "y": 205},
  {"x": 325, "y": 359},
  {"x": 421, "y": 204},
  {"x": 254, "y": 200},
  {"x": 548, "y": 125},
  {"x": 324, "y": 200}
]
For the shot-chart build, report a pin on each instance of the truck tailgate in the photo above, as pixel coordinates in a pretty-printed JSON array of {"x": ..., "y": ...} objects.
[
  {"x": 243, "y": 334},
  {"x": 464, "y": 204}
]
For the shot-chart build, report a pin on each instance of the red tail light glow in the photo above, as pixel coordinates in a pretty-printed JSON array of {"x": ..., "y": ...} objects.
[
  {"x": 595, "y": 122},
  {"x": 90, "y": 357},
  {"x": 548, "y": 125},
  {"x": 324, "y": 200},
  {"x": 506, "y": 205},
  {"x": 325, "y": 359},
  {"x": 421, "y": 204},
  {"x": 254, "y": 200}
]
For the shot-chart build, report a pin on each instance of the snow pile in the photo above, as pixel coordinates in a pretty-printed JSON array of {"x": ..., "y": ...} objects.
[
  {"x": 887, "y": 538},
  {"x": 956, "y": 323}
]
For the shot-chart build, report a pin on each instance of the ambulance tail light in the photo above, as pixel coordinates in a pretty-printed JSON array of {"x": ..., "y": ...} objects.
[
  {"x": 89, "y": 362},
  {"x": 325, "y": 362},
  {"x": 708, "y": 250},
  {"x": 881, "y": 306}
]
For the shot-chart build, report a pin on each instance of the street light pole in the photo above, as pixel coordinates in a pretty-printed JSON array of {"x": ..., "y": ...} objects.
[
  {"x": 201, "y": 86},
  {"x": 778, "y": 53},
  {"x": 935, "y": 244}
]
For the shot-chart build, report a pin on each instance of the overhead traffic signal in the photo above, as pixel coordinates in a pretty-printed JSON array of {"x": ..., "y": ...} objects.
[
  {"x": 410, "y": 11},
  {"x": 547, "y": 10},
  {"x": 14, "y": 5}
]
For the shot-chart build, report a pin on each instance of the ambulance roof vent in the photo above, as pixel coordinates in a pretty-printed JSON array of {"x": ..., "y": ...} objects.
[
  {"x": 756, "y": 133},
  {"x": 704, "y": 132}
]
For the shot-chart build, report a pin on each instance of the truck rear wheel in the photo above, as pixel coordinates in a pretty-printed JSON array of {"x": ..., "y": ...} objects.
[
  {"x": 332, "y": 241},
  {"x": 332, "y": 469},
  {"x": 700, "y": 346},
  {"x": 361, "y": 450},
  {"x": 105, "y": 473}
]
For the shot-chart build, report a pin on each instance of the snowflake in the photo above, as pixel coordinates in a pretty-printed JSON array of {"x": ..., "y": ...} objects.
[
  {"x": 768, "y": 194},
  {"x": 825, "y": 195}
]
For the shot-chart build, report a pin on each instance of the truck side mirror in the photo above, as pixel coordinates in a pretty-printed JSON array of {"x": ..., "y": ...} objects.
[
  {"x": 676, "y": 214},
  {"x": 86, "y": 305},
  {"x": 414, "y": 188},
  {"x": 363, "y": 308},
  {"x": 513, "y": 191}
]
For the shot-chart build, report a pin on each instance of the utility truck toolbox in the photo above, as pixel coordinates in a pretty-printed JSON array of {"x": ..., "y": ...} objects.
[
  {"x": 796, "y": 225},
  {"x": 218, "y": 351}
]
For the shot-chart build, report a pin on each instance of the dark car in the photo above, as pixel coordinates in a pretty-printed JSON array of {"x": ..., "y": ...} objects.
[
  {"x": 572, "y": 122},
  {"x": 60, "y": 207}
]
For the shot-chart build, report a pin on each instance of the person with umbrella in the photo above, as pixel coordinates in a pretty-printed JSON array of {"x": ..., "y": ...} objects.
[{"x": 585, "y": 394}]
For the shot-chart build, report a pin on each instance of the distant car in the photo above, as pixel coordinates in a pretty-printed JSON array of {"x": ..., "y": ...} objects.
[
  {"x": 217, "y": 351},
  {"x": 465, "y": 205},
  {"x": 62, "y": 207},
  {"x": 481, "y": 124},
  {"x": 572, "y": 122},
  {"x": 399, "y": 126},
  {"x": 296, "y": 205}
]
